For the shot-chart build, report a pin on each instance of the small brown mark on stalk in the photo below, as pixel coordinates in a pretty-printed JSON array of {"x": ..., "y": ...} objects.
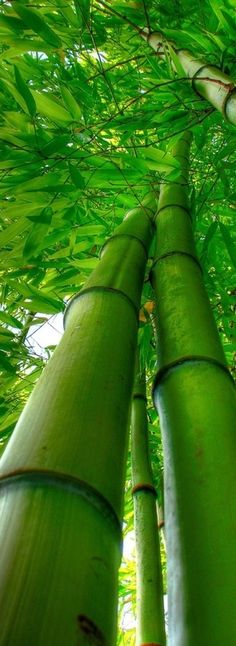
[
  {"x": 89, "y": 628},
  {"x": 199, "y": 452}
]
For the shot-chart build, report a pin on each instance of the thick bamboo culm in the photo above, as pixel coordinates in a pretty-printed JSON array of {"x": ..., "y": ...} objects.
[
  {"x": 150, "y": 628},
  {"x": 208, "y": 80},
  {"x": 62, "y": 473},
  {"x": 195, "y": 397}
]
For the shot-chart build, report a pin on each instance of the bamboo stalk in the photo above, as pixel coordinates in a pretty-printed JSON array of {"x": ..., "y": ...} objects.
[
  {"x": 62, "y": 473},
  {"x": 209, "y": 81},
  {"x": 150, "y": 608},
  {"x": 195, "y": 397}
]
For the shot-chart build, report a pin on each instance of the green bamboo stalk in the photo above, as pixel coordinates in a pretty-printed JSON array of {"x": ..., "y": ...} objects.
[
  {"x": 195, "y": 397},
  {"x": 150, "y": 630},
  {"x": 62, "y": 473},
  {"x": 209, "y": 81}
]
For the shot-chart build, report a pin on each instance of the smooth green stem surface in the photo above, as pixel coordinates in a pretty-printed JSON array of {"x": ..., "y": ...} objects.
[
  {"x": 195, "y": 398},
  {"x": 62, "y": 473},
  {"x": 207, "y": 80},
  {"x": 150, "y": 609}
]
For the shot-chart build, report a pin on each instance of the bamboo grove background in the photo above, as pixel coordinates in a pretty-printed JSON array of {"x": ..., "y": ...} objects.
[{"x": 89, "y": 112}]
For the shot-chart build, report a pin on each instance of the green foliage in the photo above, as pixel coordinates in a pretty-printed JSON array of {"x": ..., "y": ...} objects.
[{"x": 87, "y": 111}]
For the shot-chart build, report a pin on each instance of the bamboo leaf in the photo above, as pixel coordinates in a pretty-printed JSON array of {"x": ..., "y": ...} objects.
[
  {"x": 11, "y": 420},
  {"x": 25, "y": 92},
  {"x": 6, "y": 341},
  {"x": 82, "y": 8},
  {"x": 188, "y": 38},
  {"x": 179, "y": 69},
  {"x": 76, "y": 176},
  {"x": 71, "y": 103},
  {"x": 14, "y": 91},
  {"x": 11, "y": 23},
  {"x": 6, "y": 366},
  {"x": 51, "y": 107},
  {"x": 12, "y": 231},
  {"x": 217, "y": 40},
  {"x": 21, "y": 46},
  {"x": 230, "y": 22},
  {"x": 161, "y": 156},
  {"x": 229, "y": 243},
  {"x": 217, "y": 6},
  {"x": 87, "y": 263},
  {"x": 10, "y": 320},
  {"x": 33, "y": 19},
  {"x": 209, "y": 235},
  {"x": 91, "y": 230},
  {"x": 38, "y": 300},
  {"x": 38, "y": 232},
  {"x": 78, "y": 247},
  {"x": 42, "y": 183},
  {"x": 35, "y": 304},
  {"x": 56, "y": 144}
]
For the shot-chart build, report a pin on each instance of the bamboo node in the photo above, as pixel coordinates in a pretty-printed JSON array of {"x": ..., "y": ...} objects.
[
  {"x": 176, "y": 252},
  {"x": 124, "y": 235},
  {"x": 140, "y": 396},
  {"x": 179, "y": 206},
  {"x": 101, "y": 288},
  {"x": 195, "y": 76},
  {"x": 144, "y": 486},
  {"x": 67, "y": 482},
  {"x": 163, "y": 372}
]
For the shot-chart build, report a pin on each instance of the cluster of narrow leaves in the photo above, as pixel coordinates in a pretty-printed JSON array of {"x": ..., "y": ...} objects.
[{"x": 87, "y": 113}]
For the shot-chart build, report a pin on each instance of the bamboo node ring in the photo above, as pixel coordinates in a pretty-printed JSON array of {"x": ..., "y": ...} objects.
[
  {"x": 67, "y": 482},
  {"x": 101, "y": 288},
  {"x": 177, "y": 252},
  {"x": 140, "y": 396},
  {"x": 195, "y": 76},
  {"x": 179, "y": 206},
  {"x": 163, "y": 372},
  {"x": 124, "y": 235},
  {"x": 144, "y": 486}
]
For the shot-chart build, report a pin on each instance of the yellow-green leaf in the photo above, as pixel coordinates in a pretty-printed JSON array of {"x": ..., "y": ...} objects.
[
  {"x": 34, "y": 21},
  {"x": 25, "y": 92},
  {"x": 71, "y": 103}
]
